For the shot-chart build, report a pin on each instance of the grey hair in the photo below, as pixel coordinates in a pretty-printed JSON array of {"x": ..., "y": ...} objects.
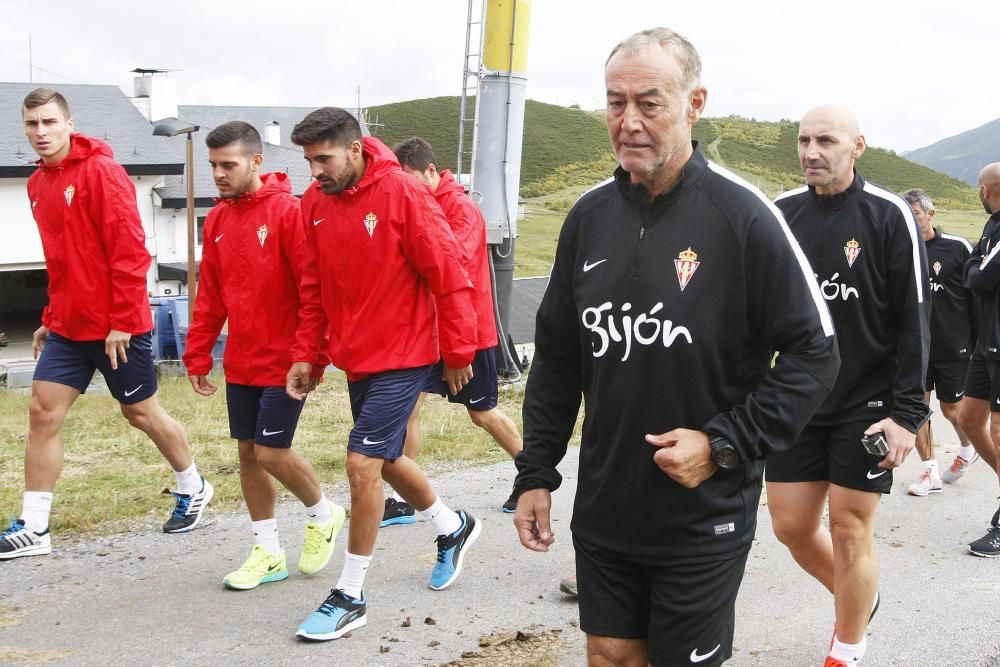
[
  {"x": 668, "y": 40},
  {"x": 918, "y": 196}
]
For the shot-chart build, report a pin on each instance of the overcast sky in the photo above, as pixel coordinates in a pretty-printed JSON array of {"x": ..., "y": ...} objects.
[{"x": 915, "y": 71}]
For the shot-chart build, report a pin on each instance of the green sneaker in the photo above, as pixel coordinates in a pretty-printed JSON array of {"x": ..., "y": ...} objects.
[
  {"x": 260, "y": 567},
  {"x": 318, "y": 545}
]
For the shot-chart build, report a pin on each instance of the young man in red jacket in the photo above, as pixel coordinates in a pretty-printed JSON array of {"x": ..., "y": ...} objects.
[
  {"x": 251, "y": 267},
  {"x": 381, "y": 261},
  {"x": 479, "y": 396},
  {"x": 85, "y": 207}
]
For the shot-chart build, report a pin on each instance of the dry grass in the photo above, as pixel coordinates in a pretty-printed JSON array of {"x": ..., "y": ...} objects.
[{"x": 113, "y": 475}]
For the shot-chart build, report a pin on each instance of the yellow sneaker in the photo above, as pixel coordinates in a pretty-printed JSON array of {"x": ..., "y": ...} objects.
[
  {"x": 318, "y": 544},
  {"x": 260, "y": 567}
]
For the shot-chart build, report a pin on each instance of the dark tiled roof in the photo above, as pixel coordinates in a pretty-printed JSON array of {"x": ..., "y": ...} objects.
[{"x": 103, "y": 112}]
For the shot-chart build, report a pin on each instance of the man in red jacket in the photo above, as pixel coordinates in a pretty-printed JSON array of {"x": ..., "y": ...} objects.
[
  {"x": 381, "y": 260},
  {"x": 250, "y": 271},
  {"x": 98, "y": 317},
  {"x": 479, "y": 396}
]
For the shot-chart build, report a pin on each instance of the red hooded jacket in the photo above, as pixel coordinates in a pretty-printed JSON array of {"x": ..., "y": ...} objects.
[
  {"x": 469, "y": 228},
  {"x": 251, "y": 268},
  {"x": 381, "y": 256},
  {"x": 95, "y": 248}
]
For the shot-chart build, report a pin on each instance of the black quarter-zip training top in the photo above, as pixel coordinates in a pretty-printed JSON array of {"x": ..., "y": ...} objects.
[
  {"x": 870, "y": 261},
  {"x": 665, "y": 314}
]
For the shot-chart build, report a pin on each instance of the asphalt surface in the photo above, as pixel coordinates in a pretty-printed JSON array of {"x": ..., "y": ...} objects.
[{"x": 154, "y": 599}]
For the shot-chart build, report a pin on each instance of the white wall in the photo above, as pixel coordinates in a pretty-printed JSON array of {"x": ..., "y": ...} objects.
[{"x": 21, "y": 245}]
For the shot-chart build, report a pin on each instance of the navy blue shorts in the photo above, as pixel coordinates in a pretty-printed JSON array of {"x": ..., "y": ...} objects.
[
  {"x": 481, "y": 392},
  {"x": 381, "y": 405},
  {"x": 73, "y": 362},
  {"x": 266, "y": 415}
]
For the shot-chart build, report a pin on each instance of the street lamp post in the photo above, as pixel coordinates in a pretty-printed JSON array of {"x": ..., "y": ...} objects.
[{"x": 171, "y": 127}]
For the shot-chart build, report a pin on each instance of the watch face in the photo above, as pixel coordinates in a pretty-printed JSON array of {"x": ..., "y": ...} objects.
[{"x": 725, "y": 456}]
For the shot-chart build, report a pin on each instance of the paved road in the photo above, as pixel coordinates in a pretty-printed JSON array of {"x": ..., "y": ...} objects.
[{"x": 152, "y": 599}]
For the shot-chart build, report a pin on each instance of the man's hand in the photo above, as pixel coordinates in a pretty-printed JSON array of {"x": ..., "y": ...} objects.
[
  {"x": 202, "y": 385},
  {"x": 684, "y": 455},
  {"x": 457, "y": 378},
  {"x": 298, "y": 383},
  {"x": 900, "y": 442},
  {"x": 38, "y": 340},
  {"x": 115, "y": 345},
  {"x": 531, "y": 519}
]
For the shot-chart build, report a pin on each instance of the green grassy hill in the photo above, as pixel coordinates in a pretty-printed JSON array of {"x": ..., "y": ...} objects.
[{"x": 565, "y": 148}]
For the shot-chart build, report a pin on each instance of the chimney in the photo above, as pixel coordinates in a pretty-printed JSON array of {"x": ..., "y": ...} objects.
[
  {"x": 155, "y": 96},
  {"x": 272, "y": 133}
]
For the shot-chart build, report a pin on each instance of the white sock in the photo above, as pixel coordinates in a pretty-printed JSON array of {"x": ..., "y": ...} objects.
[
  {"x": 320, "y": 512},
  {"x": 398, "y": 498},
  {"x": 265, "y": 533},
  {"x": 188, "y": 481},
  {"x": 966, "y": 451},
  {"x": 931, "y": 466},
  {"x": 444, "y": 520},
  {"x": 352, "y": 577},
  {"x": 35, "y": 510},
  {"x": 849, "y": 653}
]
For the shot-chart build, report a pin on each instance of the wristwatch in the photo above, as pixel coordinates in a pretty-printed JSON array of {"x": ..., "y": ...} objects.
[{"x": 724, "y": 454}]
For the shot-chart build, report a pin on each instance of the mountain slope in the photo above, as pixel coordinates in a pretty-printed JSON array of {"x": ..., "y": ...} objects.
[{"x": 962, "y": 155}]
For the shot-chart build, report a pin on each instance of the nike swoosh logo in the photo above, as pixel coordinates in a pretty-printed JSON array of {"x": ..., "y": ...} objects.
[
  {"x": 219, "y": 237},
  {"x": 274, "y": 567},
  {"x": 329, "y": 538},
  {"x": 265, "y": 432},
  {"x": 481, "y": 398},
  {"x": 316, "y": 222},
  {"x": 871, "y": 476},
  {"x": 702, "y": 657},
  {"x": 366, "y": 441},
  {"x": 129, "y": 393},
  {"x": 959, "y": 394},
  {"x": 587, "y": 266}
]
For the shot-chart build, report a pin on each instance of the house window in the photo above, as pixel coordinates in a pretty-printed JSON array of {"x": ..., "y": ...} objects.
[{"x": 201, "y": 227}]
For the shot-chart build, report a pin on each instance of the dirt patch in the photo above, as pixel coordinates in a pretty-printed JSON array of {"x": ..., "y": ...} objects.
[
  {"x": 521, "y": 648},
  {"x": 31, "y": 656},
  {"x": 10, "y": 616}
]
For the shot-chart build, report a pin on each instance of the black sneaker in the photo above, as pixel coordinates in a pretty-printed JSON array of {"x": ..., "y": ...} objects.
[
  {"x": 510, "y": 506},
  {"x": 397, "y": 512},
  {"x": 18, "y": 540},
  {"x": 987, "y": 546},
  {"x": 188, "y": 508}
]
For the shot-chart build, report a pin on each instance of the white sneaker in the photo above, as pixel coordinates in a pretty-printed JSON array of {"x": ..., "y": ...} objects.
[
  {"x": 928, "y": 482},
  {"x": 958, "y": 468},
  {"x": 18, "y": 540}
]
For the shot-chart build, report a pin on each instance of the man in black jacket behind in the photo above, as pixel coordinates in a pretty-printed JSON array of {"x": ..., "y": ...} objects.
[
  {"x": 671, "y": 290},
  {"x": 870, "y": 260}
]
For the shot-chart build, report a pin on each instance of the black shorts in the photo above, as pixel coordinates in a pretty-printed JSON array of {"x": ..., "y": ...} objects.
[
  {"x": 266, "y": 415},
  {"x": 73, "y": 362},
  {"x": 481, "y": 392},
  {"x": 685, "y": 610},
  {"x": 947, "y": 378},
  {"x": 983, "y": 381},
  {"x": 381, "y": 405},
  {"x": 831, "y": 454}
]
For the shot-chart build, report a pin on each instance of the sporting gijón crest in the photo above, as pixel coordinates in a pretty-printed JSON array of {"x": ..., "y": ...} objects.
[
  {"x": 262, "y": 234},
  {"x": 852, "y": 249},
  {"x": 370, "y": 221},
  {"x": 686, "y": 264}
]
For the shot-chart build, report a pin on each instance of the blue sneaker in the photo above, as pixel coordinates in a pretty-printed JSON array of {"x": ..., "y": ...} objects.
[
  {"x": 338, "y": 615},
  {"x": 451, "y": 551},
  {"x": 397, "y": 512}
]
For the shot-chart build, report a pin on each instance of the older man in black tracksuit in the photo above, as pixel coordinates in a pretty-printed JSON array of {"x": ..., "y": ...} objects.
[{"x": 672, "y": 288}]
